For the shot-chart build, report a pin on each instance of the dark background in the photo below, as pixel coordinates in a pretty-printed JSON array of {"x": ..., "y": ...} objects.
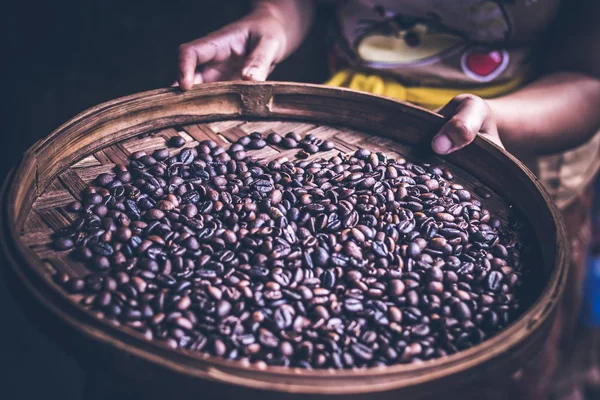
[{"x": 62, "y": 57}]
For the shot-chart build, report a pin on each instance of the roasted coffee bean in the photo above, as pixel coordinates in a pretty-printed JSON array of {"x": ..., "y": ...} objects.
[
  {"x": 284, "y": 316},
  {"x": 380, "y": 249},
  {"x": 211, "y": 144},
  {"x": 61, "y": 278},
  {"x": 148, "y": 161},
  {"x": 239, "y": 155},
  {"x": 462, "y": 311},
  {"x": 288, "y": 143},
  {"x": 268, "y": 339},
  {"x": 74, "y": 206},
  {"x": 293, "y": 135},
  {"x": 493, "y": 281},
  {"x": 311, "y": 149},
  {"x": 256, "y": 144},
  {"x": 100, "y": 263},
  {"x": 353, "y": 305},
  {"x": 83, "y": 253},
  {"x": 274, "y": 138},
  {"x": 161, "y": 154},
  {"x": 104, "y": 179},
  {"x": 302, "y": 154},
  {"x": 75, "y": 285},
  {"x": 358, "y": 260},
  {"x": 244, "y": 140},
  {"x": 63, "y": 243},
  {"x": 223, "y": 308},
  {"x": 176, "y": 141},
  {"x": 102, "y": 249},
  {"x": 186, "y": 156},
  {"x": 361, "y": 351},
  {"x": 326, "y": 145},
  {"x": 362, "y": 154},
  {"x": 396, "y": 287}
]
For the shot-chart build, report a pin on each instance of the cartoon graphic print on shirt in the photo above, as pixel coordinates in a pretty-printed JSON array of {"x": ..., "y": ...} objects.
[
  {"x": 483, "y": 65},
  {"x": 410, "y": 35},
  {"x": 442, "y": 43}
]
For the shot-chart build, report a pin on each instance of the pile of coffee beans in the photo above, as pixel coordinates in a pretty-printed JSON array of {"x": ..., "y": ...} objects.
[{"x": 353, "y": 261}]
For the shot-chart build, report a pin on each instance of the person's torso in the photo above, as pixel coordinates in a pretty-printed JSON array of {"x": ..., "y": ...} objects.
[{"x": 455, "y": 43}]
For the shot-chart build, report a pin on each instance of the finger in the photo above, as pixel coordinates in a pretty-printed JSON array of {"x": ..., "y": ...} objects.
[
  {"x": 192, "y": 55},
  {"x": 213, "y": 74},
  {"x": 260, "y": 60},
  {"x": 221, "y": 72},
  {"x": 199, "y": 78},
  {"x": 470, "y": 116}
]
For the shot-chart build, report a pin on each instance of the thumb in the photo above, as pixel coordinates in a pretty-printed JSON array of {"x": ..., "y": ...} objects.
[
  {"x": 470, "y": 115},
  {"x": 259, "y": 62}
]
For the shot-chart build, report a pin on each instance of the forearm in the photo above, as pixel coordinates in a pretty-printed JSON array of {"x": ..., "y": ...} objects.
[
  {"x": 555, "y": 113},
  {"x": 296, "y": 16}
]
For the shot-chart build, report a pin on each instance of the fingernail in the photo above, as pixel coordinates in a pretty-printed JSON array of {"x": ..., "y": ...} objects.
[
  {"x": 441, "y": 144},
  {"x": 251, "y": 72}
]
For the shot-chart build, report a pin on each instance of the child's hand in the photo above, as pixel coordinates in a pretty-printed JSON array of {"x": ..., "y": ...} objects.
[
  {"x": 247, "y": 49},
  {"x": 469, "y": 115}
]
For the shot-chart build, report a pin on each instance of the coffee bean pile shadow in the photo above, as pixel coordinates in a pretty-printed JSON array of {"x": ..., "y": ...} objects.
[{"x": 348, "y": 262}]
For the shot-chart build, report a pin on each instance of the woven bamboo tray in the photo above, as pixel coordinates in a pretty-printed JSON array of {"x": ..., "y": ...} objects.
[{"x": 55, "y": 170}]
